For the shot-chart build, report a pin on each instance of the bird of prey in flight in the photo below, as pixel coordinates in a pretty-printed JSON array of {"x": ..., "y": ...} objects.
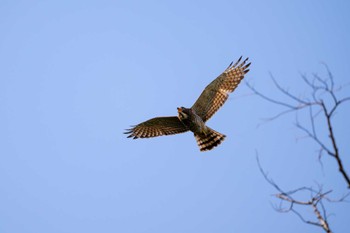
[{"x": 194, "y": 118}]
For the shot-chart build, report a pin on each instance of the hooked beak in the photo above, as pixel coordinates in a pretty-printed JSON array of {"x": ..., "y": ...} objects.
[{"x": 182, "y": 114}]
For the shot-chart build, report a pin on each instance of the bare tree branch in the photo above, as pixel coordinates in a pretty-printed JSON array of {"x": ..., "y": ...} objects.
[
  {"x": 287, "y": 92},
  {"x": 269, "y": 99},
  {"x": 335, "y": 153},
  {"x": 315, "y": 202},
  {"x": 322, "y": 91}
]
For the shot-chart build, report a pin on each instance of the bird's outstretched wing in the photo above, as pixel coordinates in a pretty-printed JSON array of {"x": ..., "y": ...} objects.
[
  {"x": 216, "y": 93},
  {"x": 157, "y": 127}
]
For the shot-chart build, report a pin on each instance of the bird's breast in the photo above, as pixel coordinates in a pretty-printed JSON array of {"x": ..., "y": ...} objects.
[{"x": 195, "y": 124}]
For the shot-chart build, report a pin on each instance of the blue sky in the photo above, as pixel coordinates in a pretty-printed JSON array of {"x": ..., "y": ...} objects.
[{"x": 75, "y": 74}]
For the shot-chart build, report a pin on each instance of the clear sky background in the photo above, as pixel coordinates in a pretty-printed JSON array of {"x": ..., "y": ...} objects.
[{"x": 75, "y": 74}]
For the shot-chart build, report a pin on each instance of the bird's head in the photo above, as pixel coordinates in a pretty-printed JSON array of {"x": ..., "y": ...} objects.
[{"x": 183, "y": 113}]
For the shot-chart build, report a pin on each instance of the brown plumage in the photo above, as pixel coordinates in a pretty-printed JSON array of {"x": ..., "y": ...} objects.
[
  {"x": 216, "y": 93},
  {"x": 194, "y": 118},
  {"x": 210, "y": 140},
  {"x": 157, "y": 127}
]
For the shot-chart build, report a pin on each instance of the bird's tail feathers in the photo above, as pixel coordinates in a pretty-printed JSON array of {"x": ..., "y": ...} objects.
[{"x": 210, "y": 140}]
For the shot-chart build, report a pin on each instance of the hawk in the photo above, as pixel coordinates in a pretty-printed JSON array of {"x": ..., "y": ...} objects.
[{"x": 194, "y": 118}]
